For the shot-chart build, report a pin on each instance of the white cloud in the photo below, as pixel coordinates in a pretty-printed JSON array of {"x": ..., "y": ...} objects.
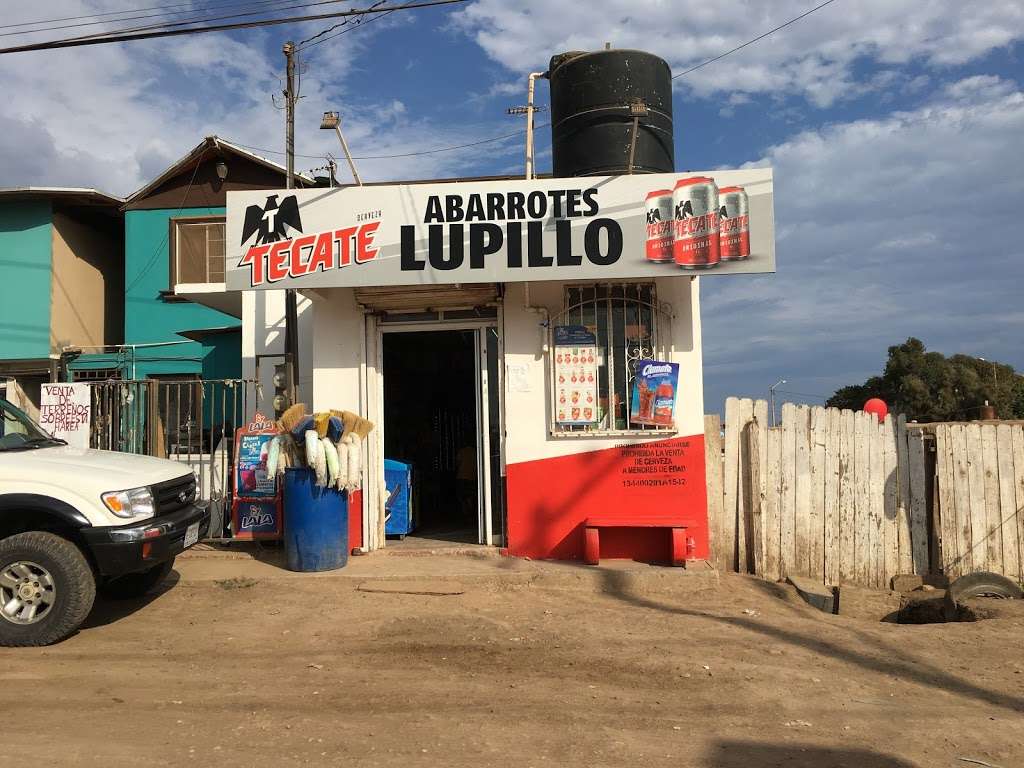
[
  {"x": 815, "y": 57},
  {"x": 886, "y": 228}
]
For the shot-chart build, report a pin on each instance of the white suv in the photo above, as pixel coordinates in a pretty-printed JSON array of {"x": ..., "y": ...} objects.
[{"x": 73, "y": 521}]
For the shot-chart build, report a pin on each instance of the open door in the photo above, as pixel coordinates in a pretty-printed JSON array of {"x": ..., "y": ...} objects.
[{"x": 490, "y": 488}]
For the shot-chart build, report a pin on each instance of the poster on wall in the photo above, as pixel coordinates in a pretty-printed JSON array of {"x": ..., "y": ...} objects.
[
  {"x": 653, "y": 402},
  {"x": 65, "y": 411},
  {"x": 595, "y": 228},
  {"x": 576, "y": 362},
  {"x": 256, "y": 512}
]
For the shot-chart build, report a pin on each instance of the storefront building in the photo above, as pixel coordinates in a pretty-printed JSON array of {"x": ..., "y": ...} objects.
[{"x": 501, "y": 336}]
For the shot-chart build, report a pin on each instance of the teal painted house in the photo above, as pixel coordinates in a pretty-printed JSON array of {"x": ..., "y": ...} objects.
[
  {"x": 63, "y": 279},
  {"x": 174, "y": 237}
]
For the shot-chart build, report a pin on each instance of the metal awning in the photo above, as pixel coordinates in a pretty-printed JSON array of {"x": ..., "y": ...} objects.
[{"x": 426, "y": 298}]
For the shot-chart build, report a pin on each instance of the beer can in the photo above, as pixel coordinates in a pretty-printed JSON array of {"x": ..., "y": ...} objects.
[
  {"x": 734, "y": 223},
  {"x": 659, "y": 225},
  {"x": 695, "y": 220}
]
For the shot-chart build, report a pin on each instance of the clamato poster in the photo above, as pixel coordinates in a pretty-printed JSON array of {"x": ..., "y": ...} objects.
[
  {"x": 65, "y": 411},
  {"x": 654, "y": 394},
  {"x": 593, "y": 228}
]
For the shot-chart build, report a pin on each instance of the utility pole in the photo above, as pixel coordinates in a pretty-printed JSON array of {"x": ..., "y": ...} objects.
[
  {"x": 291, "y": 310},
  {"x": 771, "y": 396}
]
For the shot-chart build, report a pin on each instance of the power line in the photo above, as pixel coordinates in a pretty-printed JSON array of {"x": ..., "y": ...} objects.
[
  {"x": 309, "y": 40},
  {"x": 754, "y": 40},
  {"x": 403, "y": 154},
  {"x": 190, "y": 7},
  {"x": 802, "y": 394},
  {"x": 121, "y": 38},
  {"x": 163, "y": 13}
]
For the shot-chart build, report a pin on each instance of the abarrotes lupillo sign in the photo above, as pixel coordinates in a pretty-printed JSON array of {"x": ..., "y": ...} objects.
[{"x": 592, "y": 228}]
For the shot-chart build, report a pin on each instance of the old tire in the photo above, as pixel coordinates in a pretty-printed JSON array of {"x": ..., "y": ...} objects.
[
  {"x": 48, "y": 572},
  {"x": 137, "y": 584},
  {"x": 984, "y": 584}
]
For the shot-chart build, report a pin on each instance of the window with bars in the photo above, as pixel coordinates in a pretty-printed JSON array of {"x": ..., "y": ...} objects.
[
  {"x": 197, "y": 250},
  {"x": 629, "y": 325}
]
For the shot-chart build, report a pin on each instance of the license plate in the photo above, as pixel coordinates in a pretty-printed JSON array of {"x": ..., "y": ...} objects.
[{"x": 191, "y": 535}]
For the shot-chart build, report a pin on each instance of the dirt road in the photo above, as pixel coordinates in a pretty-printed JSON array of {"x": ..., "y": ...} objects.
[{"x": 684, "y": 672}]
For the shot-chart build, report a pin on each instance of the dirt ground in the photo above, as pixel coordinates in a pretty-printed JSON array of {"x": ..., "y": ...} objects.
[{"x": 239, "y": 664}]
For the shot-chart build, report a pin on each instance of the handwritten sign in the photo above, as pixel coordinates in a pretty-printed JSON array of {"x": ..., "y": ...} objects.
[{"x": 65, "y": 411}]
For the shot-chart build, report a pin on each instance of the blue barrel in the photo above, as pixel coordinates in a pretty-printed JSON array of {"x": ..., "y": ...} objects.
[{"x": 315, "y": 523}]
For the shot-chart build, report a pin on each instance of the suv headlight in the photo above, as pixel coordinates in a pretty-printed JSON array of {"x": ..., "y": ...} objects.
[{"x": 137, "y": 502}]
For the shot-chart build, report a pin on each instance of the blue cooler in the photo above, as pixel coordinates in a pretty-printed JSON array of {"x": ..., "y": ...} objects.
[
  {"x": 315, "y": 523},
  {"x": 398, "y": 507}
]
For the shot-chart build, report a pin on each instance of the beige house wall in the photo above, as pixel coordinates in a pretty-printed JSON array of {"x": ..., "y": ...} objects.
[{"x": 82, "y": 260}]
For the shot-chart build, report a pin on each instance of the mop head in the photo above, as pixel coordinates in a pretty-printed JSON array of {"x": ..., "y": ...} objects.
[
  {"x": 331, "y": 456},
  {"x": 342, "y": 478}
]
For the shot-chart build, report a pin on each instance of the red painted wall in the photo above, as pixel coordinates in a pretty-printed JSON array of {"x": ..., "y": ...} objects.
[{"x": 548, "y": 499}]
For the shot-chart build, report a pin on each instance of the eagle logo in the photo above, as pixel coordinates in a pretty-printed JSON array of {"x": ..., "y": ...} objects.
[
  {"x": 683, "y": 209},
  {"x": 653, "y": 215},
  {"x": 270, "y": 220}
]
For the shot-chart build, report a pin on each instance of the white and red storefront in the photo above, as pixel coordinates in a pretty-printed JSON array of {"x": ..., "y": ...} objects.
[{"x": 509, "y": 285}]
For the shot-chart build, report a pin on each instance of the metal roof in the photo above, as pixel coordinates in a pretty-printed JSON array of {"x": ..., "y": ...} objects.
[{"x": 82, "y": 195}]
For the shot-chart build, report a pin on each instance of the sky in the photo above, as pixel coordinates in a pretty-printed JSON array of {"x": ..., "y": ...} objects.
[{"x": 893, "y": 127}]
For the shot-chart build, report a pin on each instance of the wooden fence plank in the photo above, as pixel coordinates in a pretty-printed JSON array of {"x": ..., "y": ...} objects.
[
  {"x": 787, "y": 492},
  {"x": 861, "y": 555},
  {"x": 730, "y": 483},
  {"x": 1007, "y": 502},
  {"x": 713, "y": 474},
  {"x": 802, "y": 538},
  {"x": 743, "y": 554},
  {"x": 877, "y": 502},
  {"x": 990, "y": 468},
  {"x": 890, "y": 502},
  {"x": 847, "y": 508},
  {"x": 831, "y": 509},
  {"x": 918, "y": 501},
  {"x": 761, "y": 418},
  {"x": 979, "y": 519},
  {"x": 1018, "y": 483},
  {"x": 772, "y": 506},
  {"x": 950, "y": 558},
  {"x": 962, "y": 492},
  {"x": 755, "y": 548},
  {"x": 816, "y": 523},
  {"x": 906, "y": 557}
]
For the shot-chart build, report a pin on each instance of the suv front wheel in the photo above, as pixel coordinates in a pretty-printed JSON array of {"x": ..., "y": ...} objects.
[{"x": 46, "y": 589}]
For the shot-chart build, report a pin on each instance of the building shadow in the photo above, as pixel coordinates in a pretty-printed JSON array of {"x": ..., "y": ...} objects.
[
  {"x": 891, "y": 662},
  {"x": 757, "y": 754},
  {"x": 107, "y": 611}
]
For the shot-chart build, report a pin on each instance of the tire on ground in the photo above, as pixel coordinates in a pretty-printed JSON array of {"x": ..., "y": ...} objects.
[
  {"x": 74, "y": 585},
  {"x": 984, "y": 584},
  {"x": 137, "y": 584}
]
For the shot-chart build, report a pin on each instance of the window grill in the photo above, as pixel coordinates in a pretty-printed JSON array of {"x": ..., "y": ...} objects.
[{"x": 630, "y": 325}]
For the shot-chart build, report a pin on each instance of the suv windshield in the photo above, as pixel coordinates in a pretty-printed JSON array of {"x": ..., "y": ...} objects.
[{"x": 19, "y": 432}]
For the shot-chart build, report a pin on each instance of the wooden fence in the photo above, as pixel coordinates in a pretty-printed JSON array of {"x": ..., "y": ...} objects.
[
  {"x": 829, "y": 494},
  {"x": 980, "y": 478}
]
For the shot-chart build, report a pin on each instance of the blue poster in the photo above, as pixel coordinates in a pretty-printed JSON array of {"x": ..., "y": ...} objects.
[
  {"x": 251, "y": 476},
  {"x": 654, "y": 394}
]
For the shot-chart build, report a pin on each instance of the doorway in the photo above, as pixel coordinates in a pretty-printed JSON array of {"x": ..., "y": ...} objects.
[{"x": 441, "y": 437}]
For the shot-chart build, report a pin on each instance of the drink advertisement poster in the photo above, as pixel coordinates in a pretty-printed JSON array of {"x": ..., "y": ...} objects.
[
  {"x": 576, "y": 361},
  {"x": 256, "y": 511},
  {"x": 654, "y": 393}
]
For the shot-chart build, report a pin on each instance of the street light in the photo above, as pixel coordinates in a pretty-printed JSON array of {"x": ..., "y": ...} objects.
[
  {"x": 771, "y": 396},
  {"x": 995, "y": 378},
  {"x": 332, "y": 121}
]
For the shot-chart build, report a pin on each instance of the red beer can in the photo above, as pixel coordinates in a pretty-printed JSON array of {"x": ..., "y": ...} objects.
[
  {"x": 659, "y": 225},
  {"x": 734, "y": 223},
  {"x": 695, "y": 220}
]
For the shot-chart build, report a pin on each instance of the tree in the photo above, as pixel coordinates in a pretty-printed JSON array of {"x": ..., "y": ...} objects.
[{"x": 927, "y": 386}]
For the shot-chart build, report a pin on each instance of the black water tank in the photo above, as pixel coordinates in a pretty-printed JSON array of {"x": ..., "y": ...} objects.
[{"x": 591, "y": 121}]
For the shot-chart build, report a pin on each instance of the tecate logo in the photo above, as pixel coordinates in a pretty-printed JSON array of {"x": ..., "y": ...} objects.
[{"x": 654, "y": 370}]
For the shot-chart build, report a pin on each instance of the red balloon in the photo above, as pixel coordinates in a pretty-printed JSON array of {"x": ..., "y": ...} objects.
[{"x": 878, "y": 407}]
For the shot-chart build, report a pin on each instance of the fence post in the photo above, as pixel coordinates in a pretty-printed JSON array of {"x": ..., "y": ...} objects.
[
  {"x": 720, "y": 550},
  {"x": 753, "y": 431}
]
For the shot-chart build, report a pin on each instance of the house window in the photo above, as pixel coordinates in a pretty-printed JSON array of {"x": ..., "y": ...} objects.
[
  {"x": 628, "y": 325},
  {"x": 197, "y": 250}
]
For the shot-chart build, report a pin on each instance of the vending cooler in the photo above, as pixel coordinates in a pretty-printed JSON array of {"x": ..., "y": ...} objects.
[{"x": 398, "y": 508}]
